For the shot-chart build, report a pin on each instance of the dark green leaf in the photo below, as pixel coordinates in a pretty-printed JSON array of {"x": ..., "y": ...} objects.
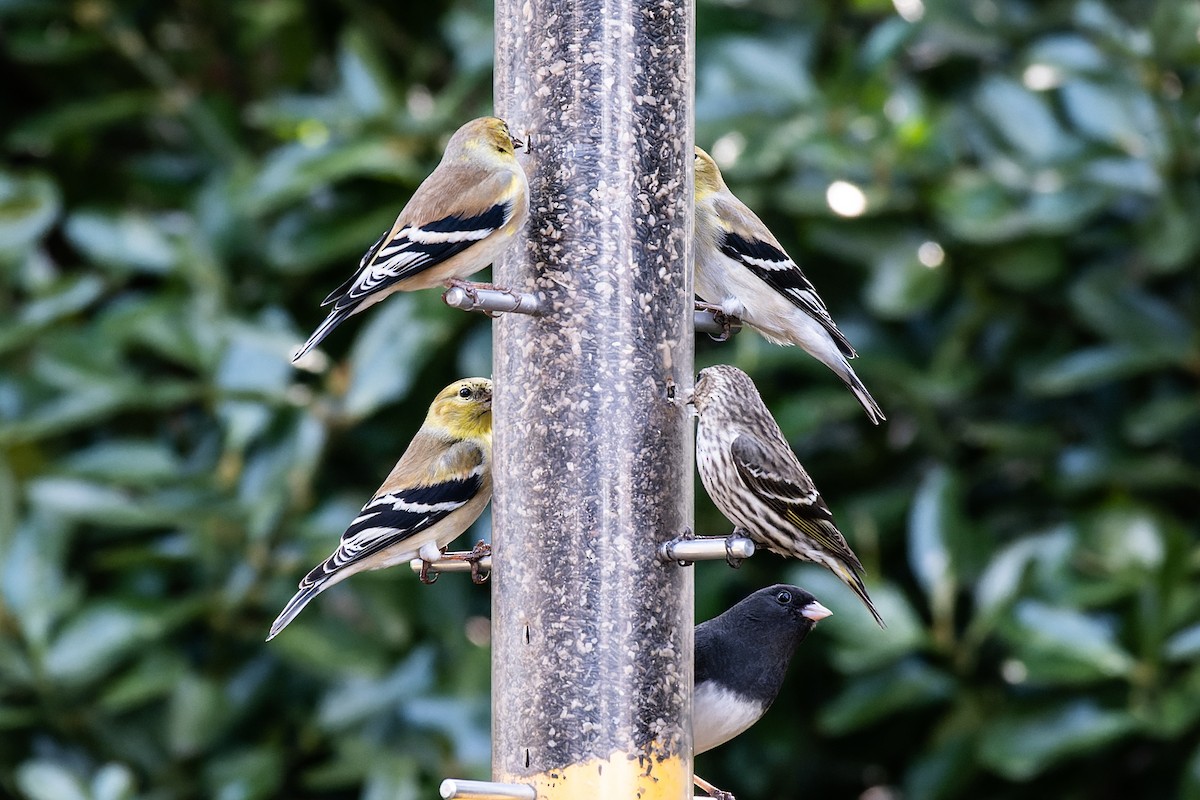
[
  {"x": 376, "y": 377},
  {"x": 198, "y": 713},
  {"x": 296, "y": 170},
  {"x": 127, "y": 461},
  {"x": 908, "y": 684},
  {"x": 1184, "y": 645},
  {"x": 113, "y": 782},
  {"x": 125, "y": 240},
  {"x": 1021, "y": 744},
  {"x": 931, "y": 524},
  {"x": 49, "y": 780},
  {"x": 96, "y": 640},
  {"x": 29, "y": 205},
  {"x": 85, "y": 118},
  {"x": 246, "y": 775},
  {"x": 1022, "y": 117},
  {"x": 364, "y": 74},
  {"x": 1062, "y": 645},
  {"x": 1026, "y": 264},
  {"x": 1094, "y": 366},
  {"x": 902, "y": 287},
  {"x": 942, "y": 769},
  {"x": 1124, "y": 539},
  {"x": 1001, "y": 581},
  {"x": 860, "y": 645}
]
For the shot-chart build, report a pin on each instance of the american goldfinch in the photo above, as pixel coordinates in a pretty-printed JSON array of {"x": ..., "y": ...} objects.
[
  {"x": 742, "y": 657},
  {"x": 743, "y": 271},
  {"x": 458, "y": 221},
  {"x": 437, "y": 489},
  {"x": 756, "y": 481}
]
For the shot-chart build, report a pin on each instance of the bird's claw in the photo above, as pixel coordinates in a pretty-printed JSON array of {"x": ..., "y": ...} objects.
[
  {"x": 726, "y": 321},
  {"x": 425, "y": 576},
  {"x": 730, "y": 559},
  {"x": 686, "y": 535},
  {"x": 480, "y": 551}
]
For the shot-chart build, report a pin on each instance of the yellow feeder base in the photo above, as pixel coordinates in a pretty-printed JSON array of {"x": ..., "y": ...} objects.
[{"x": 621, "y": 777}]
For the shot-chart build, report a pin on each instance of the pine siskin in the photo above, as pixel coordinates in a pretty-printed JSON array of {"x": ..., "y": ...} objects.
[{"x": 756, "y": 480}]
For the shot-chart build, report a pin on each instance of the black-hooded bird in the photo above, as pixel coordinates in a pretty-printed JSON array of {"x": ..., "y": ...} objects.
[{"x": 742, "y": 657}]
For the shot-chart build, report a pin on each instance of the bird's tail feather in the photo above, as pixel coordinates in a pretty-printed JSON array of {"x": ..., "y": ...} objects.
[
  {"x": 295, "y": 606},
  {"x": 846, "y": 373},
  {"x": 335, "y": 318},
  {"x": 851, "y": 578}
]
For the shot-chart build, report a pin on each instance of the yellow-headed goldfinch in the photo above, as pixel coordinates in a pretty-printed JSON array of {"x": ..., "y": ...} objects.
[
  {"x": 437, "y": 489},
  {"x": 458, "y": 221},
  {"x": 743, "y": 270}
]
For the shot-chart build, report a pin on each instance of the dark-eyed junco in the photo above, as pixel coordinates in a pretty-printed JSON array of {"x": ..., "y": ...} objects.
[
  {"x": 742, "y": 657},
  {"x": 753, "y": 476}
]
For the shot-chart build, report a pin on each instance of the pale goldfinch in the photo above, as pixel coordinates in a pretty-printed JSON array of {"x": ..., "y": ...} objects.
[
  {"x": 756, "y": 481},
  {"x": 437, "y": 489},
  {"x": 741, "y": 659},
  {"x": 743, "y": 271},
  {"x": 460, "y": 219}
]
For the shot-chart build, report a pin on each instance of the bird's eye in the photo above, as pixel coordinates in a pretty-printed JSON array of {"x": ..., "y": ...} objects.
[
  {"x": 464, "y": 393},
  {"x": 784, "y": 597}
]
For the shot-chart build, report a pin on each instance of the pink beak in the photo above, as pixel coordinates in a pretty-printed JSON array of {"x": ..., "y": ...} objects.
[{"x": 815, "y": 611}]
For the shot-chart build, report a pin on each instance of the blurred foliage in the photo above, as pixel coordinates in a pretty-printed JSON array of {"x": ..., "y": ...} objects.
[{"x": 183, "y": 183}]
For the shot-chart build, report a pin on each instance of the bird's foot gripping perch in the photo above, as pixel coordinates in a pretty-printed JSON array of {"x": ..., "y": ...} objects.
[
  {"x": 477, "y": 561},
  {"x": 734, "y": 543},
  {"x": 426, "y": 575},
  {"x": 476, "y": 554},
  {"x": 725, "y": 321},
  {"x": 687, "y": 548},
  {"x": 710, "y": 790}
]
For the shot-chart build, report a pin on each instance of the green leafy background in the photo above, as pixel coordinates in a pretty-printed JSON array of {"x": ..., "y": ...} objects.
[{"x": 184, "y": 181}]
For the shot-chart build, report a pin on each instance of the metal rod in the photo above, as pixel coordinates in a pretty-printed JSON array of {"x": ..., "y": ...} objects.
[
  {"x": 485, "y": 790},
  {"x": 479, "y": 298},
  {"x": 705, "y": 548},
  {"x": 591, "y": 632},
  {"x": 448, "y": 563}
]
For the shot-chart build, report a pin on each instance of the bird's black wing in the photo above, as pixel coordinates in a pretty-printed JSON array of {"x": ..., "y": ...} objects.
[
  {"x": 404, "y": 252},
  {"x": 784, "y": 484},
  {"x": 396, "y": 515},
  {"x": 776, "y": 268}
]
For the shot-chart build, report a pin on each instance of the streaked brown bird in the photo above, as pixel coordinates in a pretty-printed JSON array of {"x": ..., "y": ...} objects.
[{"x": 756, "y": 481}]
